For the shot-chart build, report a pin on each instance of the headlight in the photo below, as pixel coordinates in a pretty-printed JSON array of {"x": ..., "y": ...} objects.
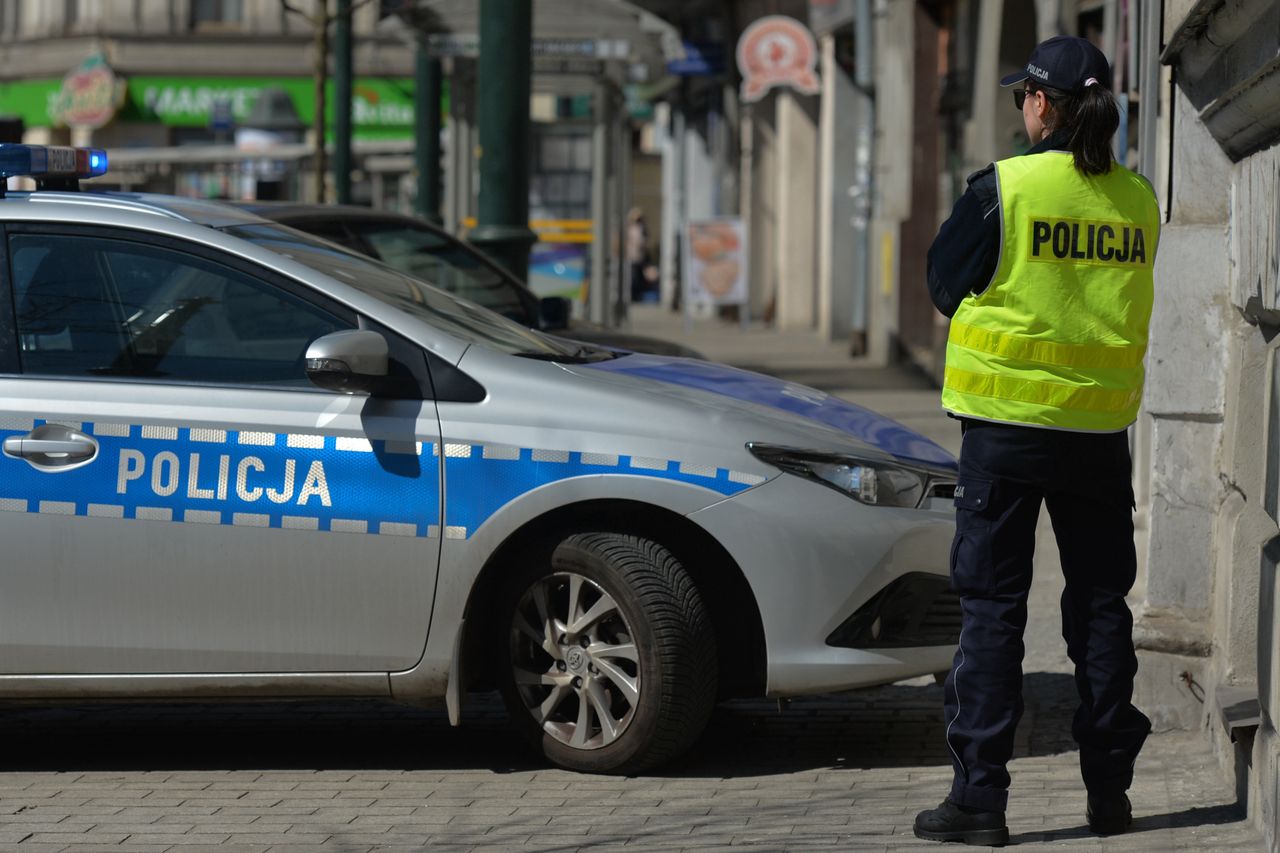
[{"x": 870, "y": 481}]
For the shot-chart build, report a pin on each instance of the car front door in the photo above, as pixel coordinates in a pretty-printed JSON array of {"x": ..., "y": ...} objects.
[{"x": 175, "y": 496}]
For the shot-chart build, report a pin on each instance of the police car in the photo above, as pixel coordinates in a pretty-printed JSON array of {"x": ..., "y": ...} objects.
[{"x": 241, "y": 462}]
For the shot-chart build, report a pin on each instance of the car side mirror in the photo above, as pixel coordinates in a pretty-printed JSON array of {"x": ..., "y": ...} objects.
[
  {"x": 555, "y": 312},
  {"x": 353, "y": 361}
]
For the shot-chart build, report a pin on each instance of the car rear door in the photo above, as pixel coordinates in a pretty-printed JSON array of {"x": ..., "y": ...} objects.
[{"x": 175, "y": 496}]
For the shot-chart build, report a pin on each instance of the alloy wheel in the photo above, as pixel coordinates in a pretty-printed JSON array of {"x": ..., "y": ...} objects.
[{"x": 574, "y": 661}]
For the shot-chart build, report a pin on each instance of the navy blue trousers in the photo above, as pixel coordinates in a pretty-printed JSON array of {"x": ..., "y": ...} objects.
[{"x": 1084, "y": 480}]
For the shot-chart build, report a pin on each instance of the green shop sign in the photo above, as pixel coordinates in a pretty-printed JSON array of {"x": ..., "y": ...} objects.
[
  {"x": 382, "y": 108},
  {"x": 34, "y": 101}
]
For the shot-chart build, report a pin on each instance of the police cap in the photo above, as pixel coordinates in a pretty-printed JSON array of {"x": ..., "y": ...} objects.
[{"x": 1066, "y": 63}]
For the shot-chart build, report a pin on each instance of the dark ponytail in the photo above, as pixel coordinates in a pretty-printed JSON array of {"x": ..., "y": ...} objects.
[{"x": 1090, "y": 120}]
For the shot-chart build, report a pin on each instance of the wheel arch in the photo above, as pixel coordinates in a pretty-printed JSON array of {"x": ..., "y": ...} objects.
[{"x": 735, "y": 616}]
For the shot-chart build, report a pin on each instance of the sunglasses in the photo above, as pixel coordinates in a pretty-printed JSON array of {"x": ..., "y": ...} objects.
[{"x": 1020, "y": 95}]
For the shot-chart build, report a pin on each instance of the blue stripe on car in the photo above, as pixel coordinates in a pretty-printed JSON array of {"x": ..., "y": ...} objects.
[
  {"x": 311, "y": 482},
  {"x": 479, "y": 487},
  {"x": 257, "y": 479}
]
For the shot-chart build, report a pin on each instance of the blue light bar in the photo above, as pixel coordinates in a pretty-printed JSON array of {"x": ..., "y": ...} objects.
[{"x": 51, "y": 161}]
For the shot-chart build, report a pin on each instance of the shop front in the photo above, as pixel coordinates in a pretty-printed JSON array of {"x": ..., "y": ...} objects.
[{"x": 201, "y": 135}]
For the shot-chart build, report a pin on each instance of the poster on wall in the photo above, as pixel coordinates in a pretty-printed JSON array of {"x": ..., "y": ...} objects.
[{"x": 715, "y": 261}]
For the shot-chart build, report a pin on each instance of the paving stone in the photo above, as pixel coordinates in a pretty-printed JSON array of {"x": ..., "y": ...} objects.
[
  {"x": 13, "y": 836},
  {"x": 182, "y": 839},
  {"x": 124, "y": 847},
  {"x": 70, "y": 837},
  {"x": 434, "y": 818},
  {"x": 272, "y": 838}
]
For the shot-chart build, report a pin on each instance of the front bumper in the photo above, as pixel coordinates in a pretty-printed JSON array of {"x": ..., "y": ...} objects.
[
  {"x": 813, "y": 558},
  {"x": 917, "y": 609}
]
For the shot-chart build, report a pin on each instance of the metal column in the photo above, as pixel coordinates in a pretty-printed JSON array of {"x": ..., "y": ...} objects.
[
  {"x": 864, "y": 154},
  {"x": 980, "y": 142},
  {"x": 506, "y": 73},
  {"x": 598, "y": 301},
  {"x": 342, "y": 74},
  {"x": 426, "y": 121},
  {"x": 672, "y": 204},
  {"x": 459, "y": 188},
  {"x": 621, "y": 174}
]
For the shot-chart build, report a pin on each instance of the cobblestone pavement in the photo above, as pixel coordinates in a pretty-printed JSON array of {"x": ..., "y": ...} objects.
[{"x": 842, "y": 772}]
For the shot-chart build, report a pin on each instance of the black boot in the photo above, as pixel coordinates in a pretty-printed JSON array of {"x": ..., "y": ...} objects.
[
  {"x": 1109, "y": 814},
  {"x": 950, "y": 822}
]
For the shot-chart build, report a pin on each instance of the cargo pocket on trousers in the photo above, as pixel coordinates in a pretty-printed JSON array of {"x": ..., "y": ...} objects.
[{"x": 972, "y": 566}]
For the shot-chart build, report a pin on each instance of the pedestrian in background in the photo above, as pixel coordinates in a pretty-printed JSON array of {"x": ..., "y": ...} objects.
[
  {"x": 1045, "y": 267},
  {"x": 638, "y": 255}
]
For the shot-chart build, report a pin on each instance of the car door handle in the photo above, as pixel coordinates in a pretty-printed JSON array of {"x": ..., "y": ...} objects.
[
  {"x": 52, "y": 447},
  {"x": 24, "y": 448}
]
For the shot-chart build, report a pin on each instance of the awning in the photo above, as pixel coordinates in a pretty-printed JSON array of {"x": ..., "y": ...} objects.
[{"x": 566, "y": 33}]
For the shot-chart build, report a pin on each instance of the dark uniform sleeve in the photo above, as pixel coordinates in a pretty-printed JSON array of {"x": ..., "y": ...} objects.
[{"x": 964, "y": 255}]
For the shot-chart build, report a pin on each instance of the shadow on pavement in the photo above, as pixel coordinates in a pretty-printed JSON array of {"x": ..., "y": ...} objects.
[
  {"x": 899, "y": 725},
  {"x": 892, "y": 726},
  {"x": 1195, "y": 816}
]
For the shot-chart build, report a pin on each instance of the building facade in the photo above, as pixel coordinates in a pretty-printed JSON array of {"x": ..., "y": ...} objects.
[
  {"x": 155, "y": 76},
  {"x": 841, "y": 190},
  {"x": 1208, "y": 634}
]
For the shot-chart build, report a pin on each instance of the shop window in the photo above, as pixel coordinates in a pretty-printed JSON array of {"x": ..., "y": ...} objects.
[
  {"x": 191, "y": 136},
  {"x": 12, "y": 128},
  {"x": 560, "y": 185},
  {"x": 217, "y": 14}
]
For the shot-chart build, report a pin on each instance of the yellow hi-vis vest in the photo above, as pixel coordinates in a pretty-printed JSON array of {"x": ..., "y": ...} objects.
[{"x": 1057, "y": 339}]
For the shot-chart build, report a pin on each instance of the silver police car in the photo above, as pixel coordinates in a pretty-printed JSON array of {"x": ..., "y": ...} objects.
[{"x": 241, "y": 462}]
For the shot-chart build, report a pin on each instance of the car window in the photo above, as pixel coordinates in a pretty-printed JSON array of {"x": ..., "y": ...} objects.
[
  {"x": 448, "y": 265},
  {"x": 107, "y": 307},
  {"x": 335, "y": 232},
  {"x": 454, "y": 315}
]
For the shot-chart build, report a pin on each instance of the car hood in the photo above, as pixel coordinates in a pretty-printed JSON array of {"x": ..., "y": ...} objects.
[
  {"x": 614, "y": 339},
  {"x": 777, "y": 396}
]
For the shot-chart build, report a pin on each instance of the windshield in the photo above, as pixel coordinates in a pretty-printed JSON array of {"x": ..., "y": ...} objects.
[
  {"x": 448, "y": 265},
  {"x": 456, "y": 316}
]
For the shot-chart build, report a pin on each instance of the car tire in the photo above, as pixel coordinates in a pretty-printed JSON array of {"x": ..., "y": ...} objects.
[{"x": 625, "y": 681}]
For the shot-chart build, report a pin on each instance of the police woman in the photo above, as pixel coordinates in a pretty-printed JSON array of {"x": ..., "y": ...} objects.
[{"x": 1045, "y": 268}]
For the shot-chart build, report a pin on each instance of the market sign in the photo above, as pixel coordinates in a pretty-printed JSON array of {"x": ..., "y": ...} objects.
[
  {"x": 30, "y": 100},
  {"x": 89, "y": 96},
  {"x": 380, "y": 108},
  {"x": 777, "y": 51}
]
